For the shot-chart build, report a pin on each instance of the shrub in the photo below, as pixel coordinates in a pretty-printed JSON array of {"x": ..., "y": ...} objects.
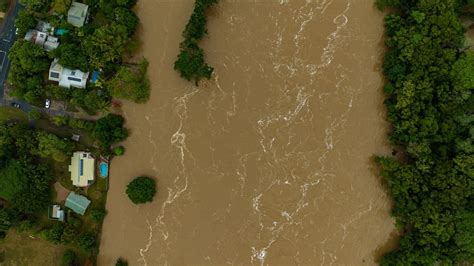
[
  {"x": 3, "y": 5},
  {"x": 3, "y": 234},
  {"x": 34, "y": 114},
  {"x": 121, "y": 262},
  {"x": 69, "y": 258},
  {"x": 87, "y": 242},
  {"x": 69, "y": 234},
  {"x": 60, "y": 120},
  {"x": 141, "y": 190},
  {"x": 25, "y": 226},
  {"x": 74, "y": 221},
  {"x": 109, "y": 129},
  {"x": 131, "y": 83},
  {"x": 119, "y": 150},
  {"x": 54, "y": 234},
  {"x": 98, "y": 215}
]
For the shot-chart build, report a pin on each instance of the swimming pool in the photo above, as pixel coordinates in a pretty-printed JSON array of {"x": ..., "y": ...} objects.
[{"x": 104, "y": 169}]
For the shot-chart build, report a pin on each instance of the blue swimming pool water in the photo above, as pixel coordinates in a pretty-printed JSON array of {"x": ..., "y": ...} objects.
[{"x": 104, "y": 169}]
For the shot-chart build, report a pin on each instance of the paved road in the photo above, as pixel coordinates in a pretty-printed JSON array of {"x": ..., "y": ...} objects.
[{"x": 7, "y": 38}]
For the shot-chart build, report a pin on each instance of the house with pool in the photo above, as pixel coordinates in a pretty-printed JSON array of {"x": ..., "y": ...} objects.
[{"x": 82, "y": 169}]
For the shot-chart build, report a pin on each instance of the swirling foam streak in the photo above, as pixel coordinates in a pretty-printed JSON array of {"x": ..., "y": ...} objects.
[{"x": 326, "y": 58}]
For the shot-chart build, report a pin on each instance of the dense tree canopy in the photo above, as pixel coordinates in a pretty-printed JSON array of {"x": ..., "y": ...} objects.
[
  {"x": 109, "y": 130},
  {"x": 72, "y": 56},
  {"x": 190, "y": 62},
  {"x": 106, "y": 45},
  {"x": 28, "y": 63},
  {"x": 429, "y": 100},
  {"x": 24, "y": 181},
  {"x": 141, "y": 190},
  {"x": 36, "y": 5},
  {"x": 131, "y": 83},
  {"x": 51, "y": 145},
  {"x": 25, "y": 21}
]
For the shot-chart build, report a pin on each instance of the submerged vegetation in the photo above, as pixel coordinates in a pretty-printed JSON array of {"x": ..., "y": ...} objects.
[
  {"x": 141, "y": 190},
  {"x": 190, "y": 62},
  {"x": 430, "y": 105}
]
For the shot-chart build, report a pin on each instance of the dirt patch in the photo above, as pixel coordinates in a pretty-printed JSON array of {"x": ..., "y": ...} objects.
[{"x": 23, "y": 249}]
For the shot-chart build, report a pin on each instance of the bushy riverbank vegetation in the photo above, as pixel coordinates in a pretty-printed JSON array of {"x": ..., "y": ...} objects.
[
  {"x": 101, "y": 45},
  {"x": 190, "y": 63},
  {"x": 430, "y": 81},
  {"x": 141, "y": 189}
]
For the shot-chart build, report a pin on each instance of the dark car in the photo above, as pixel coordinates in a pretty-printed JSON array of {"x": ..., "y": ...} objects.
[{"x": 16, "y": 105}]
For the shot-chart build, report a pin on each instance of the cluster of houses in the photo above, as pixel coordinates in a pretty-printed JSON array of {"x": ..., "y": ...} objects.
[
  {"x": 82, "y": 169},
  {"x": 44, "y": 35}
]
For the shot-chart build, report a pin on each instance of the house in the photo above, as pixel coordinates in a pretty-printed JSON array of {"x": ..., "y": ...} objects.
[
  {"x": 77, "y": 203},
  {"x": 36, "y": 37},
  {"x": 78, "y": 14},
  {"x": 56, "y": 213},
  {"x": 42, "y": 39},
  {"x": 82, "y": 169},
  {"x": 51, "y": 43},
  {"x": 66, "y": 77}
]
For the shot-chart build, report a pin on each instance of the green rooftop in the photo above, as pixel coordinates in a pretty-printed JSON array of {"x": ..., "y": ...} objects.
[{"x": 77, "y": 203}]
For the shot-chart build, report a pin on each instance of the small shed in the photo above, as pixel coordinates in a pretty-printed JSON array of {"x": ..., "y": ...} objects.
[
  {"x": 77, "y": 203},
  {"x": 76, "y": 137},
  {"x": 56, "y": 213}
]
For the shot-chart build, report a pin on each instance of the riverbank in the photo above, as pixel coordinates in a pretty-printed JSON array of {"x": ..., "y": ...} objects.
[{"x": 275, "y": 153}]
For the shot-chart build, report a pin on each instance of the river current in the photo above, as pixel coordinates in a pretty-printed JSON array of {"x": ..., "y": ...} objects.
[{"x": 271, "y": 161}]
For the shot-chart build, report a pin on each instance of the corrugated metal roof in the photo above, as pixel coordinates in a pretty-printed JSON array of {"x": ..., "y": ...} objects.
[{"x": 77, "y": 203}]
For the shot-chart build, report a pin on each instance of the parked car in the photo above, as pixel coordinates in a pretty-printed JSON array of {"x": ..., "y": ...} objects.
[
  {"x": 16, "y": 105},
  {"x": 47, "y": 103}
]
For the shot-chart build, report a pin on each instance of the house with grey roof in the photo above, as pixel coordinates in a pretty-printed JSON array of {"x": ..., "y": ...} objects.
[
  {"x": 77, "y": 203},
  {"x": 42, "y": 39},
  {"x": 78, "y": 14}
]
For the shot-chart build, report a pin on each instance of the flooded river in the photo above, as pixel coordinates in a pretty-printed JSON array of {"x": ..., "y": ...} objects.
[{"x": 270, "y": 162}]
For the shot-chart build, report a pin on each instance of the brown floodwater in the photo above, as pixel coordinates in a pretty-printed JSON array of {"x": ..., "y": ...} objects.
[{"x": 271, "y": 161}]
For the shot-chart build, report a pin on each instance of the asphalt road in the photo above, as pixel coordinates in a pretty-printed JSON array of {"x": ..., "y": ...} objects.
[{"x": 7, "y": 38}]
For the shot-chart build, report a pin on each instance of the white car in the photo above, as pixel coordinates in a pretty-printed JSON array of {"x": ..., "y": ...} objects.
[
  {"x": 16, "y": 31},
  {"x": 47, "y": 103}
]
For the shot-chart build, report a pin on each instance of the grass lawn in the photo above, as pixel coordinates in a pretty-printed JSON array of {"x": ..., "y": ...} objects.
[
  {"x": 10, "y": 113},
  {"x": 21, "y": 249}
]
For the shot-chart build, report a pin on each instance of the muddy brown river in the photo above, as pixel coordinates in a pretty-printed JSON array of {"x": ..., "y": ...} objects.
[{"x": 271, "y": 161}]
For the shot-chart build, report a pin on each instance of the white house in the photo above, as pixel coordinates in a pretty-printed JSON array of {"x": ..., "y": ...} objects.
[
  {"x": 51, "y": 43},
  {"x": 82, "y": 169},
  {"x": 42, "y": 39},
  {"x": 66, "y": 77},
  {"x": 78, "y": 14}
]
